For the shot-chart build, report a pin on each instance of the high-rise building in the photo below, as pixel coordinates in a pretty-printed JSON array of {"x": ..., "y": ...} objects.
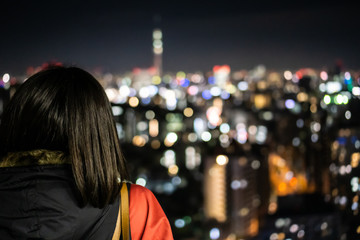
[
  {"x": 157, "y": 50},
  {"x": 230, "y": 196}
]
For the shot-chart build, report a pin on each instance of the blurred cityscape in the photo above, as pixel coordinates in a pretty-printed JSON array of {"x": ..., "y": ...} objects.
[{"x": 240, "y": 154}]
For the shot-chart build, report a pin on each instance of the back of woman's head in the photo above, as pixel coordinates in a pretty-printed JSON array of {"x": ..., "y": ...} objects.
[{"x": 66, "y": 109}]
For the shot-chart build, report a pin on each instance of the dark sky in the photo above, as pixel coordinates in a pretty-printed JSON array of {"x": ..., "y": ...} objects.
[{"x": 116, "y": 36}]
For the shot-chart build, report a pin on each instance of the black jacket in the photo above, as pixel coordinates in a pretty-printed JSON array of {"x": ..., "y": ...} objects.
[{"x": 42, "y": 202}]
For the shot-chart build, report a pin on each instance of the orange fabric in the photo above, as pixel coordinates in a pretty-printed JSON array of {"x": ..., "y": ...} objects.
[{"x": 147, "y": 219}]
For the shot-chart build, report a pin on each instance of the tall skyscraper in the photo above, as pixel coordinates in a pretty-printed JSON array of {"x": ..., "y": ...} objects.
[
  {"x": 230, "y": 199},
  {"x": 157, "y": 50}
]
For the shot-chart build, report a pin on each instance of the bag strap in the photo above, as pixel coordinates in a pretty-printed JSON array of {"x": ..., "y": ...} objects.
[{"x": 123, "y": 221}]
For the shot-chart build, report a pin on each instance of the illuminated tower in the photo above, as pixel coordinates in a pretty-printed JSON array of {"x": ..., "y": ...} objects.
[
  {"x": 158, "y": 50},
  {"x": 230, "y": 197}
]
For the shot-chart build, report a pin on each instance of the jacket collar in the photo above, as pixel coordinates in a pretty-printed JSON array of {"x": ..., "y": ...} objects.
[{"x": 34, "y": 157}]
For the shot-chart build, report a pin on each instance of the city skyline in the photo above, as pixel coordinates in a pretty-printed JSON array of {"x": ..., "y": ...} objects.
[
  {"x": 238, "y": 154},
  {"x": 117, "y": 37}
]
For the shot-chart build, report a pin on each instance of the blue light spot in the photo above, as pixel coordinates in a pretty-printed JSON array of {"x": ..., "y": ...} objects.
[
  {"x": 289, "y": 103},
  {"x": 179, "y": 223},
  {"x": 341, "y": 140},
  {"x": 206, "y": 94},
  {"x": 146, "y": 100},
  {"x": 211, "y": 80},
  {"x": 185, "y": 82},
  {"x": 347, "y": 81},
  {"x": 214, "y": 233},
  {"x": 225, "y": 95}
]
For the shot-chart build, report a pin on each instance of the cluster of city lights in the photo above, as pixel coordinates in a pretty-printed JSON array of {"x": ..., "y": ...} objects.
[
  {"x": 208, "y": 101},
  {"x": 345, "y": 153}
]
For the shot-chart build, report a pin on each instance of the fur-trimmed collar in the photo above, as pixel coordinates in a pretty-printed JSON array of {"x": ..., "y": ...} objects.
[{"x": 34, "y": 157}]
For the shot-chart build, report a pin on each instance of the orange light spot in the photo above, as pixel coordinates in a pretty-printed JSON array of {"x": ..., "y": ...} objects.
[
  {"x": 282, "y": 188},
  {"x": 293, "y": 182}
]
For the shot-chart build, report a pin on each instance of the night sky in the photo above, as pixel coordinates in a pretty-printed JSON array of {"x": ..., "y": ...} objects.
[{"x": 115, "y": 36}]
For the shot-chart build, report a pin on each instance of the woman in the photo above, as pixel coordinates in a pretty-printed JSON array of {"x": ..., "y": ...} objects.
[{"x": 61, "y": 165}]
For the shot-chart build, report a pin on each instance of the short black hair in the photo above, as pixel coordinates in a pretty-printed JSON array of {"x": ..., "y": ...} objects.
[{"x": 66, "y": 109}]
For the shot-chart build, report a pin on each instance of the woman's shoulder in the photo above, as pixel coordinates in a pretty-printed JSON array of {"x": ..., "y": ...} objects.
[
  {"x": 140, "y": 191},
  {"x": 147, "y": 218},
  {"x": 143, "y": 198}
]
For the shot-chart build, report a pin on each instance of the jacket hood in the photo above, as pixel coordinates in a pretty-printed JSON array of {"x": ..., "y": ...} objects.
[{"x": 39, "y": 200}]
